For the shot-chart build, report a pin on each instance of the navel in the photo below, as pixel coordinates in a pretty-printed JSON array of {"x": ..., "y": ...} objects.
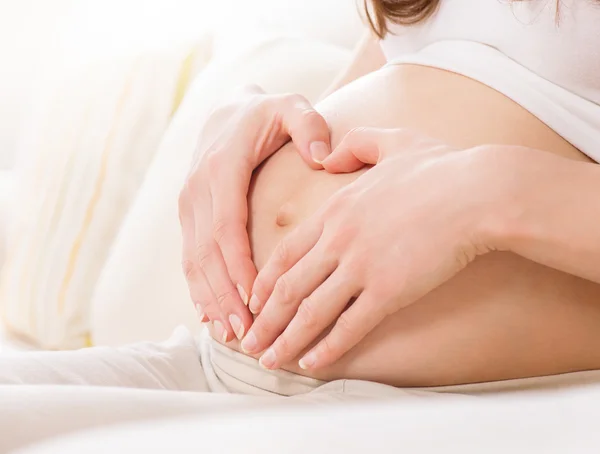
[{"x": 285, "y": 215}]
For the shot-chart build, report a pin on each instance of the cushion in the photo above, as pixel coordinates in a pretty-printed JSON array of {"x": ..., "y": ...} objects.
[{"x": 88, "y": 149}]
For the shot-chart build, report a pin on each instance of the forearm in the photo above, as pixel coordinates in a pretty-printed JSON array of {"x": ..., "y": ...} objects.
[{"x": 551, "y": 213}]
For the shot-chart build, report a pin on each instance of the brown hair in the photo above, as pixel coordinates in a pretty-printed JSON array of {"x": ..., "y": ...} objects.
[{"x": 380, "y": 13}]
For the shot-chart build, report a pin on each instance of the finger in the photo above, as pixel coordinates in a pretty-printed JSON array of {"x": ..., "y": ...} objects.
[
  {"x": 291, "y": 288},
  {"x": 314, "y": 315},
  {"x": 212, "y": 264},
  {"x": 359, "y": 147},
  {"x": 200, "y": 294},
  {"x": 287, "y": 253},
  {"x": 372, "y": 145},
  {"x": 308, "y": 130},
  {"x": 235, "y": 248},
  {"x": 226, "y": 295},
  {"x": 207, "y": 309},
  {"x": 230, "y": 218},
  {"x": 351, "y": 327}
]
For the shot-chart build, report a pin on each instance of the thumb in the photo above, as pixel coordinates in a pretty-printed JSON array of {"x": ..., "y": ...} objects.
[
  {"x": 308, "y": 130},
  {"x": 359, "y": 147}
]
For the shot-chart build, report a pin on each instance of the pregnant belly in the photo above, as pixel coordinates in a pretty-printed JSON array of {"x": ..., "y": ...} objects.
[{"x": 502, "y": 317}]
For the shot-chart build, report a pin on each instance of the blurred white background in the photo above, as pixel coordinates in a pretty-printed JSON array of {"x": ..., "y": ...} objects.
[{"x": 42, "y": 38}]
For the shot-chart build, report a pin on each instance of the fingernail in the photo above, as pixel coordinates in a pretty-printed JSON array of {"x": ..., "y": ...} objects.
[
  {"x": 267, "y": 360},
  {"x": 319, "y": 151},
  {"x": 249, "y": 343},
  {"x": 308, "y": 361},
  {"x": 254, "y": 304},
  {"x": 200, "y": 313},
  {"x": 220, "y": 331},
  {"x": 236, "y": 324},
  {"x": 243, "y": 294}
]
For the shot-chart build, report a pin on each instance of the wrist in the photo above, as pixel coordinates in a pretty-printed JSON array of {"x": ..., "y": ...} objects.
[{"x": 500, "y": 195}]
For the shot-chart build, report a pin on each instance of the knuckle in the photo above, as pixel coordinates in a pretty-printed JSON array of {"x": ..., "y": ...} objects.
[
  {"x": 214, "y": 162},
  {"x": 340, "y": 203},
  {"x": 307, "y": 314},
  {"x": 184, "y": 197},
  {"x": 326, "y": 347},
  {"x": 344, "y": 326},
  {"x": 337, "y": 242},
  {"x": 245, "y": 161},
  {"x": 259, "y": 105},
  {"x": 189, "y": 269},
  {"x": 355, "y": 265},
  {"x": 295, "y": 99},
  {"x": 346, "y": 197},
  {"x": 263, "y": 329},
  {"x": 283, "y": 346},
  {"x": 283, "y": 290},
  {"x": 381, "y": 292},
  {"x": 207, "y": 311},
  {"x": 200, "y": 303},
  {"x": 312, "y": 117},
  {"x": 404, "y": 137},
  {"x": 282, "y": 256},
  {"x": 339, "y": 199},
  {"x": 357, "y": 131},
  {"x": 225, "y": 297},
  {"x": 192, "y": 187},
  {"x": 307, "y": 114},
  {"x": 204, "y": 252},
  {"x": 405, "y": 133},
  {"x": 355, "y": 134},
  {"x": 221, "y": 229}
]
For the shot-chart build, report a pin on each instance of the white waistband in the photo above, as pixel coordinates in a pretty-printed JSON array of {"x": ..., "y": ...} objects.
[
  {"x": 232, "y": 372},
  {"x": 574, "y": 118},
  {"x": 228, "y": 371}
]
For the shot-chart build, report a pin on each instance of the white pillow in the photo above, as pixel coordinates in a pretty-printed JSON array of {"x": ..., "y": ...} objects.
[
  {"x": 88, "y": 149},
  {"x": 142, "y": 294}
]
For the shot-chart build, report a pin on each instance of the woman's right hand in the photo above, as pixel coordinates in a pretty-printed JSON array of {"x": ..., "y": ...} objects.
[{"x": 213, "y": 208}]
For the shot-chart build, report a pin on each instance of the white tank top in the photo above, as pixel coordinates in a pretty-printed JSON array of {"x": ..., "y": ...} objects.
[{"x": 548, "y": 65}]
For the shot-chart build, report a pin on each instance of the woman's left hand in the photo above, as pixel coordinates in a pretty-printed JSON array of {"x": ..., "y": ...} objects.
[{"x": 400, "y": 230}]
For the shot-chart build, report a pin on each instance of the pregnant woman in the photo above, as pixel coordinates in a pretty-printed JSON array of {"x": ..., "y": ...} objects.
[
  {"x": 432, "y": 223},
  {"x": 464, "y": 77}
]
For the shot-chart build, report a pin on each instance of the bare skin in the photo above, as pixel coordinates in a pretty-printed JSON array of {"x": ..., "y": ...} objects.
[{"x": 503, "y": 316}]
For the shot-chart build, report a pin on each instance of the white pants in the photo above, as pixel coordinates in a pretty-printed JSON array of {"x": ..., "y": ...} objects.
[{"x": 63, "y": 392}]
